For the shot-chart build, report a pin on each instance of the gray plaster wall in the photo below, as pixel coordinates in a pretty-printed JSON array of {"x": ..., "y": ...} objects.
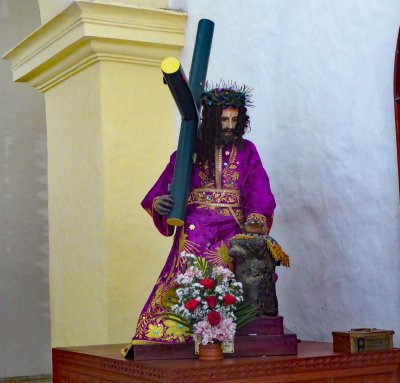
[
  {"x": 322, "y": 73},
  {"x": 24, "y": 292}
]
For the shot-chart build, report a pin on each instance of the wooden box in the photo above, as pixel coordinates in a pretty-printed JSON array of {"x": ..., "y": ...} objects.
[{"x": 362, "y": 340}]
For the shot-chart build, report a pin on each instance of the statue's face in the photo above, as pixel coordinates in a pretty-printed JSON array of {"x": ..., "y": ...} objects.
[{"x": 229, "y": 118}]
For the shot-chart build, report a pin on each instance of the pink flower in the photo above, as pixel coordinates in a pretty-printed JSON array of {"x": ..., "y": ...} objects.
[
  {"x": 224, "y": 272},
  {"x": 192, "y": 272},
  {"x": 223, "y": 332}
]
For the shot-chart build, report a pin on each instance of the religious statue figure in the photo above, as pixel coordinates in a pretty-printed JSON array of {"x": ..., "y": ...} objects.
[{"x": 228, "y": 188}]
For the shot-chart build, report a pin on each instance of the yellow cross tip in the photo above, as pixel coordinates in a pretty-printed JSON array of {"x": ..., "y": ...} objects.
[{"x": 170, "y": 65}]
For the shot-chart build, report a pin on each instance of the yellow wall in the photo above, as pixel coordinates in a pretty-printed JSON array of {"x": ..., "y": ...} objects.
[
  {"x": 110, "y": 134},
  {"x": 78, "y": 256},
  {"x": 138, "y": 136},
  {"x": 108, "y": 141}
]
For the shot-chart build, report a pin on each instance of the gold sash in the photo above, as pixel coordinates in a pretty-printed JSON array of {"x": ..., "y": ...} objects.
[
  {"x": 215, "y": 197},
  {"x": 225, "y": 199}
]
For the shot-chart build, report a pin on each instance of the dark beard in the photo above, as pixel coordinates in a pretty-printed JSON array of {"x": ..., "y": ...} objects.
[{"x": 225, "y": 140}]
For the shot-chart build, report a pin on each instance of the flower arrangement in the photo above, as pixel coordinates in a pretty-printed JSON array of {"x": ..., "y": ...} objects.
[{"x": 207, "y": 301}]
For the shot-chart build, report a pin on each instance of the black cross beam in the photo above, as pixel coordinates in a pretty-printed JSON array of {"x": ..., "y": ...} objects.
[{"x": 187, "y": 98}]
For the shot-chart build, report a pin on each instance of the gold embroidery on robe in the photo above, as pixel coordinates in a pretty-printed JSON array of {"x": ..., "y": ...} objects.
[
  {"x": 215, "y": 197},
  {"x": 176, "y": 330},
  {"x": 207, "y": 180},
  {"x": 220, "y": 256},
  {"x": 186, "y": 245},
  {"x": 230, "y": 175}
]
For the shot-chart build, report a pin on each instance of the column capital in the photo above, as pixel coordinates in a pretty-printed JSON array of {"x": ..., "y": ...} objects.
[{"x": 88, "y": 32}]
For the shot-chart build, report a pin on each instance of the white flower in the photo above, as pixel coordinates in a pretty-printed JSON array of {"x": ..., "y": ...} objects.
[{"x": 187, "y": 255}]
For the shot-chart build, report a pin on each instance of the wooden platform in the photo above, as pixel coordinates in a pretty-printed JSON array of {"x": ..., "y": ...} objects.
[
  {"x": 264, "y": 336},
  {"x": 315, "y": 362}
]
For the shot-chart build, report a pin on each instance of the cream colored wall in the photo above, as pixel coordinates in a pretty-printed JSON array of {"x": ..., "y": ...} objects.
[
  {"x": 76, "y": 206},
  {"x": 138, "y": 140},
  {"x": 110, "y": 133},
  {"x": 106, "y": 149}
]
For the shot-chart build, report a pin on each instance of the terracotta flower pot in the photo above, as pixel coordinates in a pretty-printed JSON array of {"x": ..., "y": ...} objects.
[{"x": 211, "y": 351}]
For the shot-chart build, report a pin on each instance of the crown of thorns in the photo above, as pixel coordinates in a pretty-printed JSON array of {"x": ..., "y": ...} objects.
[{"x": 226, "y": 94}]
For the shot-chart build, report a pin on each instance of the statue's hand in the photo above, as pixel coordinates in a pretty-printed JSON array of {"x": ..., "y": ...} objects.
[
  {"x": 163, "y": 204},
  {"x": 253, "y": 225}
]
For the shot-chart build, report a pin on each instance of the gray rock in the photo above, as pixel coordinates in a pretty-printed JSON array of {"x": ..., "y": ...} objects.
[{"x": 255, "y": 269}]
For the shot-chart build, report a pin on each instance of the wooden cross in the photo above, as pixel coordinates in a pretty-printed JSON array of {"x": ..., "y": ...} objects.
[{"x": 187, "y": 98}]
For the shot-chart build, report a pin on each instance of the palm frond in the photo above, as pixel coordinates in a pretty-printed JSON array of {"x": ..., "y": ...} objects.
[
  {"x": 245, "y": 313},
  {"x": 203, "y": 266}
]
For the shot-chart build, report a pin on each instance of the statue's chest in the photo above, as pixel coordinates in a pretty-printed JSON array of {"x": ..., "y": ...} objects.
[{"x": 226, "y": 173}]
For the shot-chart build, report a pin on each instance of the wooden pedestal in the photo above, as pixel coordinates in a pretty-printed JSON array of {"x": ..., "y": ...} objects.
[
  {"x": 245, "y": 345},
  {"x": 315, "y": 363},
  {"x": 264, "y": 336}
]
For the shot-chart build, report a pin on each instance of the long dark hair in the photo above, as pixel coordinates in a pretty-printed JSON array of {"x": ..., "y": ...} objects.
[{"x": 210, "y": 131}]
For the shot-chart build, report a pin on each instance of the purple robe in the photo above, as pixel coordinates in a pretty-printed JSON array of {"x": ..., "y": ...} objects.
[{"x": 216, "y": 209}]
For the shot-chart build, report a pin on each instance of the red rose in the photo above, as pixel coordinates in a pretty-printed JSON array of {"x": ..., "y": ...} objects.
[
  {"x": 208, "y": 283},
  {"x": 214, "y": 317},
  {"x": 229, "y": 299},
  {"x": 191, "y": 304},
  {"x": 211, "y": 301}
]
